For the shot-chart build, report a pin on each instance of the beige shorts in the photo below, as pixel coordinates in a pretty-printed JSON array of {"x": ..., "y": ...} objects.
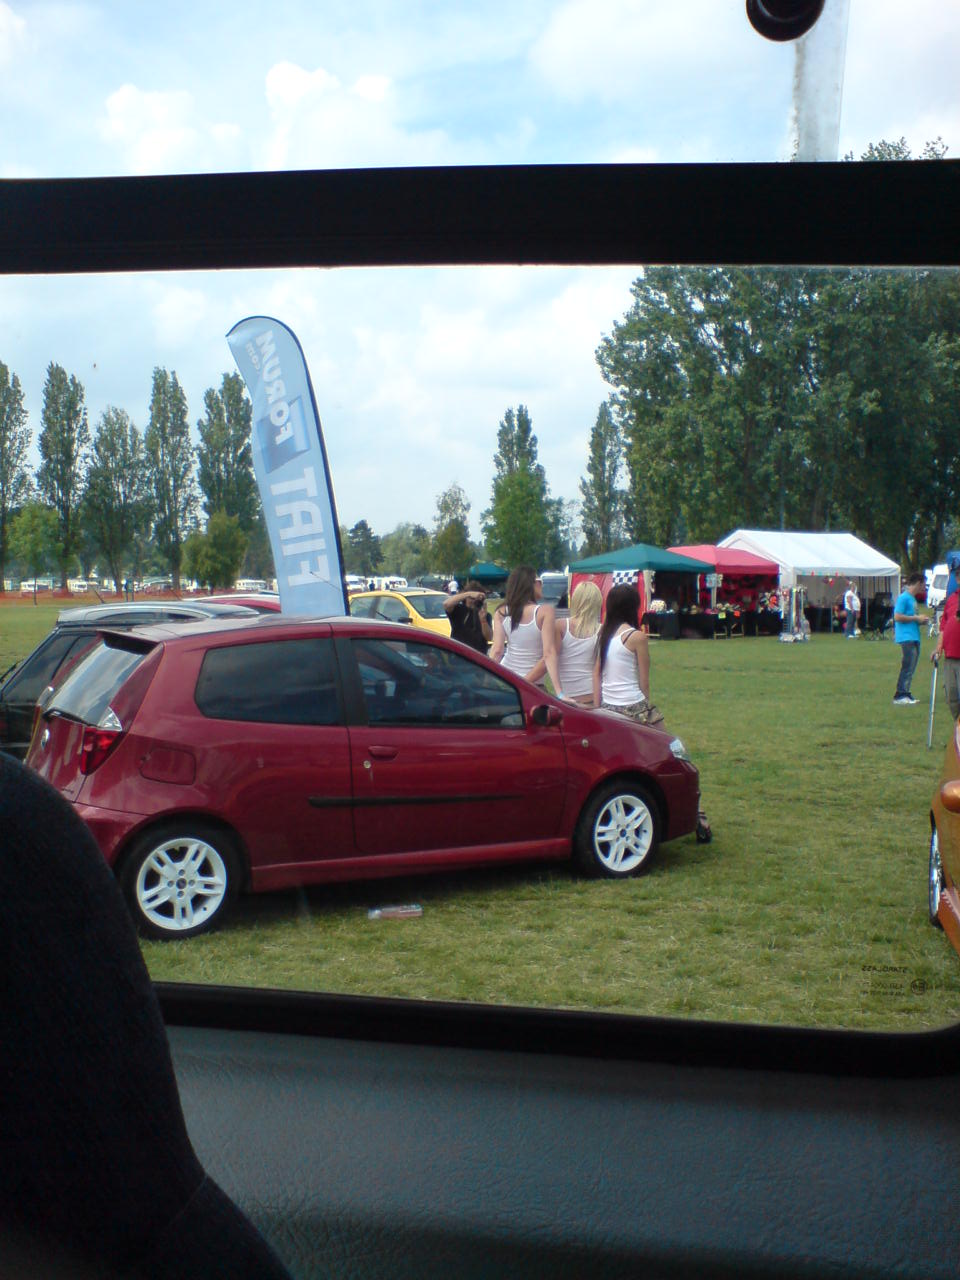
[{"x": 643, "y": 712}]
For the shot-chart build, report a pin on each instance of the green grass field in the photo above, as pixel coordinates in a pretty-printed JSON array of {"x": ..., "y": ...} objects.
[{"x": 809, "y": 907}]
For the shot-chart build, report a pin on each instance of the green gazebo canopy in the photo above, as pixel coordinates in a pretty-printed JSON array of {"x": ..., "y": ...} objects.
[
  {"x": 488, "y": 572},
  {"x": 641, "y": 556}
]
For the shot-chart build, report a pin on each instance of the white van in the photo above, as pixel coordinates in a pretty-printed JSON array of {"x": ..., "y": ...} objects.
[{"x": 937, "y": 585}]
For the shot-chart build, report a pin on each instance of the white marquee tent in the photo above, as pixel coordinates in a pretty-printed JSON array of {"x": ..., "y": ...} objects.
[{"x": 821, "y": 563}]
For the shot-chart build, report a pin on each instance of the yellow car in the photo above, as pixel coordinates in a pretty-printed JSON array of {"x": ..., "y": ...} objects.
[{"x": 419, "y": 607}]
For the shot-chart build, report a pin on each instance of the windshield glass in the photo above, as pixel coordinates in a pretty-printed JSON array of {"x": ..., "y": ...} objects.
[
  {"x": 480, "y": 420},
  {"x": 428, "y": 606},
  {"x": 87, "y": 690}
]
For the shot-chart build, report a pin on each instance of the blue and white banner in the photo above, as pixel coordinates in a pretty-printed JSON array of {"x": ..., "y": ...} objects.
[{"x": 290, "y": 463}]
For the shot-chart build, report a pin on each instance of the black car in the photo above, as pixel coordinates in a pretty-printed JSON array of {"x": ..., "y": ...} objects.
[{"x": 74, "y": 633}]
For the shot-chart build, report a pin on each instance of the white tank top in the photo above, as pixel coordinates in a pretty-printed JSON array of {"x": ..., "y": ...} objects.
[
  {"x": 621, "y": 684},
  {"x": 575, "y": 661},
  {"x": 525, "y": 645}
]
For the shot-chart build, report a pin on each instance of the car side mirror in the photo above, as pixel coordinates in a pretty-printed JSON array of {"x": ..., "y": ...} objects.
[
  {"x": 950, "y": 796},
  {"x": 545, "y": 715}
]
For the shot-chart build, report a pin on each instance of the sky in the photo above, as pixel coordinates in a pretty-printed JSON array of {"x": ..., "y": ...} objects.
[{"x": 412, "y": 369}]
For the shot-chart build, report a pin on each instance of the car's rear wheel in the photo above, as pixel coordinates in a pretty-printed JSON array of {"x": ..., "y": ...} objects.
[
  {"x": 180, "y": 880},
  {"x": 618, "y": 832},
  {"x": 934, "y": 878}
]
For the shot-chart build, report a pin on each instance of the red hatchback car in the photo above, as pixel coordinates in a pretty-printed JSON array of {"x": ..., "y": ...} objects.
[{"x": 260, "y": 755}]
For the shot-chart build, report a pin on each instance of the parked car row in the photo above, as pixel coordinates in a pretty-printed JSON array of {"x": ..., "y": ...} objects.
[
  {"x": 74, "y": 633},
  {"x": 254, "y": 754}
]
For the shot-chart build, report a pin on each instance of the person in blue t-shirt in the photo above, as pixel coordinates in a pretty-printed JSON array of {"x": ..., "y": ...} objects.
[{"x": 906, "y": 632}]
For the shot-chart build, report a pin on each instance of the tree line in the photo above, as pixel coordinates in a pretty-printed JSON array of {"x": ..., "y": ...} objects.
[
  {"x": 789, "y": 398},
  {"x": 127, "y": 498}
]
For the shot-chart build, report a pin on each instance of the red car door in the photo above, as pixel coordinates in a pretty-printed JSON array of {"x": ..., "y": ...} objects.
[{"x": 448, "y": 760}]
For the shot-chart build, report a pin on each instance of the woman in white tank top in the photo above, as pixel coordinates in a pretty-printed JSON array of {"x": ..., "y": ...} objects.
[
  {"x": 524, "y": 632},
  {"x": 577, "y": 643},
  {"x": 621, "y": 677}
]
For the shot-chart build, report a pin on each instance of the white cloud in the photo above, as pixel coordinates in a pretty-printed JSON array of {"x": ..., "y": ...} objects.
[
  {"x": 12, "y": 32},
  {"x": 318, "y": 122},
  {"x": 901, "y": 74},
  {"x": 160, "y": 131},
  {"x": 179, "y": 315},
  {"x": 614, "y": 49}
]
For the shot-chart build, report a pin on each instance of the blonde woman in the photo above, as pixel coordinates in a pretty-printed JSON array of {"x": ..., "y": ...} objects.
[
  {"x": 577, "y": 643},
  {"x": 524, "y": 631}
]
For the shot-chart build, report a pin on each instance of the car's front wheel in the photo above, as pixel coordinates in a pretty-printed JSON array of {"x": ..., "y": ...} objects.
[
  {"x": 180, "y": 880},
  {"x": 934, "y": 878},
  {"x": 618, "y": 832}
]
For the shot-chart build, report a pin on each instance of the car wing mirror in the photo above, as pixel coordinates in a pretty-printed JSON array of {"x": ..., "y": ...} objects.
[
  {"x": 545, "y": 714},
  {"x": 950, "y": 795}
]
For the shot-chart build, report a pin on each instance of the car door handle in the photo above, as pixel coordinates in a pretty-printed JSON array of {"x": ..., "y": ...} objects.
[{"x": 382, "y": 753}]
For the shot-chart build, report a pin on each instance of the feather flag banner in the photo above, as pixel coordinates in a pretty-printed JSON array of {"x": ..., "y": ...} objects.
[{"x": 290, "y": 462}]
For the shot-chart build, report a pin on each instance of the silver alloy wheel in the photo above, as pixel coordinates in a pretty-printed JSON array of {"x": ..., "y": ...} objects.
[
  {"x": 935, "y": 876},
  {"x": 180, "y": 884},
  {"x": 623, "y": 833}
]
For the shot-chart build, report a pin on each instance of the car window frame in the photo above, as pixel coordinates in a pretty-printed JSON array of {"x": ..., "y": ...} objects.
[
  {"x": 324, "y": 639},
  {"x": 427, "y": 726},
  {"x": 885, "y": 213}
]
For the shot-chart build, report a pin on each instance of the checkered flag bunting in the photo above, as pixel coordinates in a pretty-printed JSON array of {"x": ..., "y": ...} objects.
[{"x": 624, "y": 578}]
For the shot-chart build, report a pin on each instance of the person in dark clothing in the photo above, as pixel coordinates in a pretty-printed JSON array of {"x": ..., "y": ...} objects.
[
  {"x": 469, "y": 620},
  {"x": 98, "y": 1177}
]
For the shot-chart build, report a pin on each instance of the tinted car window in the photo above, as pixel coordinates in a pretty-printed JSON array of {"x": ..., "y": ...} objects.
[
  {"x": 409, "y": 683},
  {"x": 291, "y": 682},
  {"x": 86, "y": 692},
  {"x": 29, "y": 682}
]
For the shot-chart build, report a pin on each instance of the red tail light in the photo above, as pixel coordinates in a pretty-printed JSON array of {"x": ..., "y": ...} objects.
[{"x": 97, "y": 743}]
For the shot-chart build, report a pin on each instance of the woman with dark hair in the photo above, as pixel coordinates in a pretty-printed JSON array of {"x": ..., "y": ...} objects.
[
  {"x": 621, "y": 674},
  {"x": 524, "y": 631}
]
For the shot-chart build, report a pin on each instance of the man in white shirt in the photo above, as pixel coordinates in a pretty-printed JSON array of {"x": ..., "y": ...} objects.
[{"x": 851, "y": 602}]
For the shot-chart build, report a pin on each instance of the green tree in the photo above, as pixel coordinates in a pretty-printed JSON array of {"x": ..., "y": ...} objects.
[
  {"x": 521, "y": 525},
  {"x": 64, "y": 437},
  {"x": 364, "y": 555},
  {"x": 117, "y": 503},
  {"x": 406, "y": 550},
  {"x": 14, "y": 442},
  {"x": 258, "y": 557},
  {"x": 602, "y": 507},
  {"x": 170, "y": 467},
  {"x": 35, "y": 539},
  {"x": 224, "y": 459},
  {"x": 452, "y": 549},
  {"x": 214, "y": 557}
]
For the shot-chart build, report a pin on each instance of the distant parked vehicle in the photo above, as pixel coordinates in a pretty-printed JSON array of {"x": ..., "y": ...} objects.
[
  {"x": 937, "y": 586},
  {"x": 262, "y": 601},
  {"x": 421, "y": 609},
  {"x": 74, "y": 633}
]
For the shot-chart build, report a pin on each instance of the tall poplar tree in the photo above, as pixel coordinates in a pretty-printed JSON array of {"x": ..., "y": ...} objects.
[
  {"x": 224, "y": 458},
  {"x": 521, "y": 524},
  {"x": 170, "y": 467},
  {"x": 14, "y": 443},
  {"x": 601, "y": 513},
  {"x": 64, "y": 437},
  {"x": 117, "y": 503}
]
